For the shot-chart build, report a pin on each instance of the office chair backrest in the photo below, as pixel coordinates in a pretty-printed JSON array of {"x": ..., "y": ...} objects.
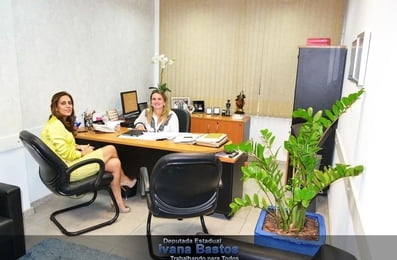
[
  {"x": 183, "y": 118},
  {"x": 51, "y": 167},
  {"x": 55, "y": 174},
  {"x": 185, "y": 184}
]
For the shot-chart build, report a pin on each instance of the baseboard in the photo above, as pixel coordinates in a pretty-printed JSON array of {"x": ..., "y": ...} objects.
[{"x": 37, "y": 203}]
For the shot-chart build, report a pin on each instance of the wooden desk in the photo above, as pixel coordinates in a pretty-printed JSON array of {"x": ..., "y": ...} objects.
[{"x": 135, "y": 153}]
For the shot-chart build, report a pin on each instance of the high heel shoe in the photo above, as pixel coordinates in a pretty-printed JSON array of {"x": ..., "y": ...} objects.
[
  {"x": 129, "y": 184},
  {"x": 124, "y": 190},
  {"x": 125, "y": 209}
]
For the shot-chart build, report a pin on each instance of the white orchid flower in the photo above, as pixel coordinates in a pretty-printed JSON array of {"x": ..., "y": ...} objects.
[{"x": 163, "y": 61}]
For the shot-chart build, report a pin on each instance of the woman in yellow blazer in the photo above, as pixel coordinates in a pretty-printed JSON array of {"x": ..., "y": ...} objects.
[{"x": 58, "y": 134}]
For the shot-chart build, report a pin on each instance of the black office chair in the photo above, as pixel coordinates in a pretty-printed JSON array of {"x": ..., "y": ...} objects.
[
  {"x": 55, "y": 174},
  {"x": 181, "y": 185},
  {"x": 183, "y": 118}
]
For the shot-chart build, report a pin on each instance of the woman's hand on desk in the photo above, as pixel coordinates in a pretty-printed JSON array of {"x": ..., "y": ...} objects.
[{"x": 140, "y": 127}]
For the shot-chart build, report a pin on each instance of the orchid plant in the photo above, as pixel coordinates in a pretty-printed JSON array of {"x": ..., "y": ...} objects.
[{"x": 163, "y": 61}]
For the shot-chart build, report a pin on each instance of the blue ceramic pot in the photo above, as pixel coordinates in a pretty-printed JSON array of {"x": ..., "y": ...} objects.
[{"x": 296, "y": 245}]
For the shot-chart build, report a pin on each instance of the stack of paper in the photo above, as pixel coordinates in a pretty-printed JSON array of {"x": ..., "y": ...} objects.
[
  {"x": 151, "y": 136},
  {"x": 212, "y": 140},
  {"x": 186, "y": 138},
  {"x": 109, "y": 127},
  {"x": 103, "y": 128}
]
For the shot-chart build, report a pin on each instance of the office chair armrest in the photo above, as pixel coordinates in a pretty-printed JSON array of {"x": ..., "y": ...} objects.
[
  {"x": 144, "y": 181},
  {"x": 220, "y": 184},
  {"x": 101, "y": 170}
]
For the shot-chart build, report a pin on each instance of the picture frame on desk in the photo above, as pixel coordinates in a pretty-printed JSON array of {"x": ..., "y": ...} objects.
[
  {"x": 180, "y": 102},
  {"x": 216, "y": 111},
  {"x": 208, "y": 110},
  {"x": 198, "y": 106}
]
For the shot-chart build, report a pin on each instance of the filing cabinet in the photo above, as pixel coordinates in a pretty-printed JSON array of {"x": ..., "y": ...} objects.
[{"x": 237, "y": 129}]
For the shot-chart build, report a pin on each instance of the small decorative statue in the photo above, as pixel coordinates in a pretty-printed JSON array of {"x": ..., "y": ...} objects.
[
  {"x": 240, "y": 103},
  {"x": 227, "y": 113}
]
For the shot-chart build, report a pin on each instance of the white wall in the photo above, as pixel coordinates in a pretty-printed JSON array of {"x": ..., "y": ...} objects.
[
  {"x": 92, "y": 49},
  {"x": 280, "y": 127},
  {"x": 366, "y": 134}
]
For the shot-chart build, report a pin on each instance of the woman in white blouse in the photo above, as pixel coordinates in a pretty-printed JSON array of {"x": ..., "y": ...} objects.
[{"x": 158, "y": 117}]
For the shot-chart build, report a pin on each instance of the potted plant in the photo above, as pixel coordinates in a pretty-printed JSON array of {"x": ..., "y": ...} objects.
[{"x": 287, "y": 203}]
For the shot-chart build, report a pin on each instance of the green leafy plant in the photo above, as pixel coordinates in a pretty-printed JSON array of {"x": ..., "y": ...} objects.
[
  {"x": 163, "y": 61},
  {"x": 288, "y": 203}
]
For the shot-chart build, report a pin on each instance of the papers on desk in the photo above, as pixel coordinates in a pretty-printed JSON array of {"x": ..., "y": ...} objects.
[
  {"x": 109, "y": 127},
  {"x": 212, "y": 139},
  {"x": 186, "y": 138},
  {"x": 153, "y": 136}
]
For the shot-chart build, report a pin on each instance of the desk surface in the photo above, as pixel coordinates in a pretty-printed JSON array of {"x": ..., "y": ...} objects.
[{"x": 159, "y": 145}]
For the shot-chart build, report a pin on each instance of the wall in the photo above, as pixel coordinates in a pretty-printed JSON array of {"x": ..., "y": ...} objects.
[
  {"x": 280, "y": 127},
  {"x": 364, "y": 135},
  {"x": 92, "y": 49}
]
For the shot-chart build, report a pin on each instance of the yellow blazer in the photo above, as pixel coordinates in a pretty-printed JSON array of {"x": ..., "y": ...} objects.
[
  {"x": 63, "y": 143},
  {"x": 60, "y": 140}
]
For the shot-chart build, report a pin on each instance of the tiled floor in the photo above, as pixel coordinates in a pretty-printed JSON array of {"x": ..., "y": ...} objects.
[{"x": 126, "y": 237}]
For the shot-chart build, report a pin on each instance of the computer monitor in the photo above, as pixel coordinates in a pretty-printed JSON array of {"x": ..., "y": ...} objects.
[{"x": 129, "y": 103}]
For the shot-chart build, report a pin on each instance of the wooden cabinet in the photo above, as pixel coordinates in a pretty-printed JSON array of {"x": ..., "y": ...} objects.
[
  {"x": 237, "y": 129},
  {"x": 319, "y": 82}
]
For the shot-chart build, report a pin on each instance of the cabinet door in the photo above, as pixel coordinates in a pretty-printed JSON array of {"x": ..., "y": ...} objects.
[
  {"x": 234, "y": 130},
  {"x": 202, "y": 125},
  {"x": 199, "y": 125},
  {"x": 319, "y": 78},
  {"x": 319, "y": 84},
  {"x": 237, "y": 131}
]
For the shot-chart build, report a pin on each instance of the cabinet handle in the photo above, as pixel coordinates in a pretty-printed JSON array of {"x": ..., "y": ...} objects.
[{"x": 217, "y": 127}]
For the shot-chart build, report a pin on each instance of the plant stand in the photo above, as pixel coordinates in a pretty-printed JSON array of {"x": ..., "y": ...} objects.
[{"x": 291, "y": 244}]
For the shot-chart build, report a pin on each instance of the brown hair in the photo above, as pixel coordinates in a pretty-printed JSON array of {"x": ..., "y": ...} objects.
[
  {"x": 68, "y": 121},
  {"x": 166, "y": 109}
]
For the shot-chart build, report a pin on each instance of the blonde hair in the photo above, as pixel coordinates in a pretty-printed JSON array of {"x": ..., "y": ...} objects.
[{"x": 166, "y": 109}]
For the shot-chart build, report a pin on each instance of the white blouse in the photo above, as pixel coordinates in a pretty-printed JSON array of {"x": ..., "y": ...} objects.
[{"x": 171, "y": 124}]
